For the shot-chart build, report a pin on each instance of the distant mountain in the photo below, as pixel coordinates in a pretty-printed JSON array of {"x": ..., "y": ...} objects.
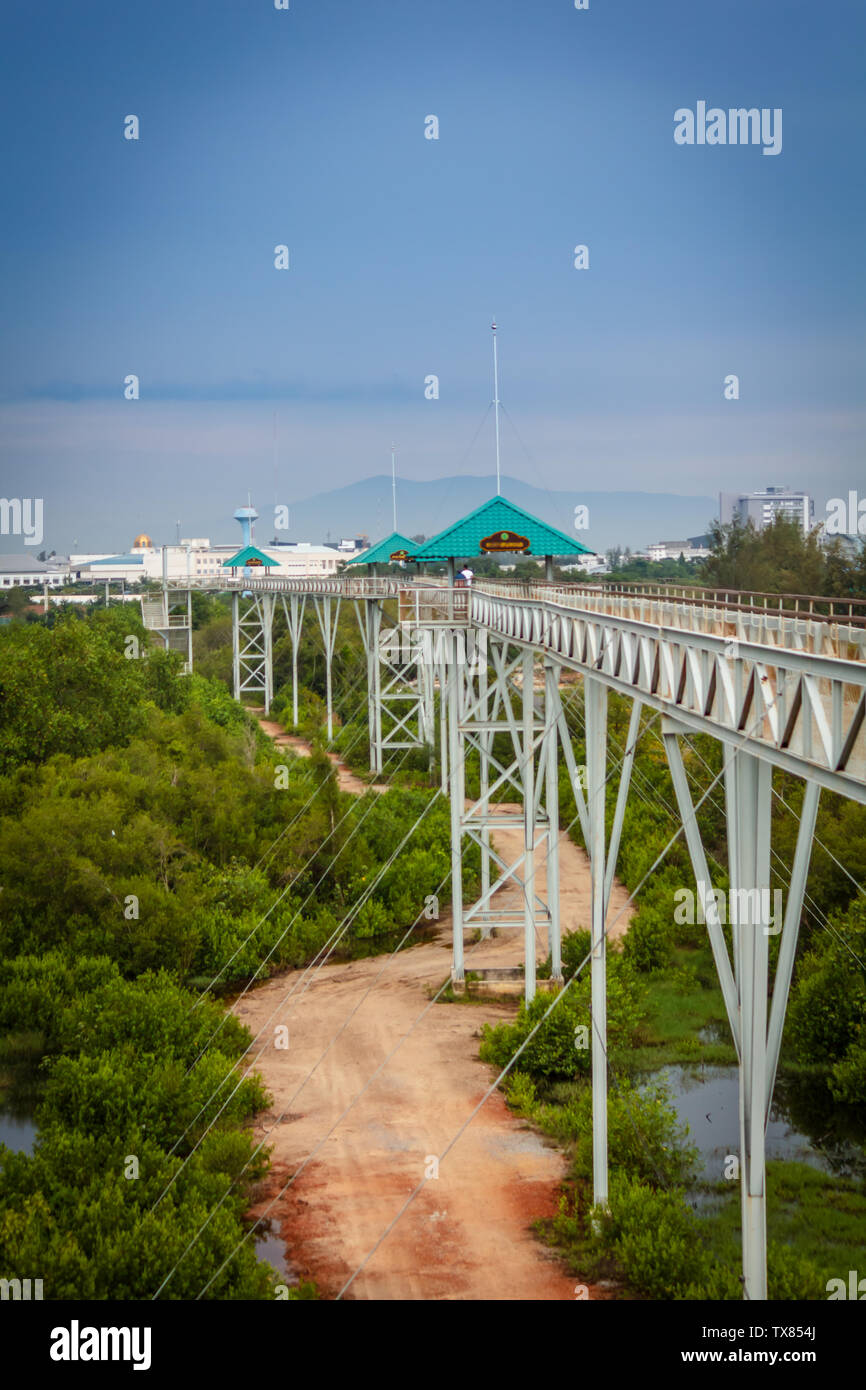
[{"x": 634, "y": 519}]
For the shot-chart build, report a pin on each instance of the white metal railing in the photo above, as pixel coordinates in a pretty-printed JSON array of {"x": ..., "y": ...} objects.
[
  {"x": 794, "y": 621},
  {"x": 815, "y": 607},
  {"x": 781, "y": 626},
  {"x": 307, "y": 584},
  {"x": 433, "y": 605}
]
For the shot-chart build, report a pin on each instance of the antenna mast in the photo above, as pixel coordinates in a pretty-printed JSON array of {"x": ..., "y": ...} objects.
[
  {"x": 394, "y": 481},
  {"x": 496, "y": 407}
]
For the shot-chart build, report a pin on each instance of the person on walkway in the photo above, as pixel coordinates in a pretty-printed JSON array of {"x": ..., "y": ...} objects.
[{"x": 467, "y": 575}]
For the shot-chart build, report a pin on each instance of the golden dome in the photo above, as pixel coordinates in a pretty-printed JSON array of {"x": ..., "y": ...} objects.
[{"x": 142, "y": 542}]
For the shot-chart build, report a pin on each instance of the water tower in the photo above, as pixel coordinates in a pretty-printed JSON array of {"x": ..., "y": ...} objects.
[{"x": 246, "y": 516}]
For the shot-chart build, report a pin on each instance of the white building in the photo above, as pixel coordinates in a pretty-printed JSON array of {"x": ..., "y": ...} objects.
[
  {"x": 305, "y": 558},
  {"x": 590, "y": 564},
  {"x": 672, "y": 550},
  {"x": 195, "y": 558},
  {"x": 763, "y": 507},
  {"x": 27, "y": 570}
]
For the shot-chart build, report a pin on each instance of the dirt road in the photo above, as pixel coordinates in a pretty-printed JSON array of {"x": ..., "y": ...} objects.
[
  {"x": 346, "y": 779},
  {"x": 467, "y": 1235}
]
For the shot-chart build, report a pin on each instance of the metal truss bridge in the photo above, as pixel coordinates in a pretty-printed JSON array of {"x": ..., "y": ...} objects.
[{"x": 778, "y": 680}]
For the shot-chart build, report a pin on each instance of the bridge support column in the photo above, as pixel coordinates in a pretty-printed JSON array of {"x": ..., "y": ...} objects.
[
  {"x": 595, "y": 706},
  {"x": 328, "y": 617},
  {"x": 444, "y": 744},
  {"x": 252, "y": 646},
  {"x": 236, "y": 645},
  {"x": 551, "y": 800},
  {"x": 603, "y": 856},
  {"x": 748, "y": 796},
  {"x": 294, "y": 613},
  {"x": 374, "y": 683},
  {"x": 427, "y": 709},
  {"x": 479, "y": 706},
  {"x": 528, "y": 779},
  {"x": 485, "y": 742},
  {"x": 748, "y": 783},
  {"x": 456, "y": 780}
]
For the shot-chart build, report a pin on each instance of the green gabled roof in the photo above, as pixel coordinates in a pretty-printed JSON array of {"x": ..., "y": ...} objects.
[
  {"x": 380, "y": 554},
  {"x": 462, "y": 540},
  {"x": 250, "y": 552}
]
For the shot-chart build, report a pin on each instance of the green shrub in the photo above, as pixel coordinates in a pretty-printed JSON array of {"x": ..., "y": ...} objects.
[
  {"x": 647, "y": 944},
  {"x": 655, "y": 1239},
  {"x": 558, "y": 1050},
  {"x": 520, "y": 1093},
  {"x": 645, "y": 1138},
  {"x": 827, "y": 1011}
]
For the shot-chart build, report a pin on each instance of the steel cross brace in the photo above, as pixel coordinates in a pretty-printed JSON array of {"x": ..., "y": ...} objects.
[
  {"x": 252, "y": 645},
  {"x": 479, "y": 707}
]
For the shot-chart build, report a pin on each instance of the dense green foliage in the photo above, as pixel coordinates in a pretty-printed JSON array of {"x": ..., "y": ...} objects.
[
  {"x": 780, "y": 559},
  {"x": 86, "y": 1213},
  {"x": 189, "y": 813},
  {"x": 827, "y": 1019},
  {"x": 71, "y": 689},
  {"x": 558, "y": 1049},
  {"x": 153, "y": 842}
]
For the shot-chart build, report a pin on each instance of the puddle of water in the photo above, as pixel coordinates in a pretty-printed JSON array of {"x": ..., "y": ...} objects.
[
  {"x": 271, "y": 1247},
  {"x": 835, "y": 1130},
  {"x": 714, "y": 1032},
  {"x": 707, "y": 1099},
  {"x": 17, "y": 1132}
]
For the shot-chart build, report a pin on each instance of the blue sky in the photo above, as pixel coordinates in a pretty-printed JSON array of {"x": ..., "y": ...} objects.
[{"x": 306, "y": 127}]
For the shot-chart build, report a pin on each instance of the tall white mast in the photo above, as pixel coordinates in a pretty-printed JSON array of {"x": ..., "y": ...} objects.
[
  {"x": 394, "y": 481},
  {"x": 496, "y": 407}
]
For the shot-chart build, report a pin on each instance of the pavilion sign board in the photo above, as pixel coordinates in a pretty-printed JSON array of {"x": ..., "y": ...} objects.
[
  {"x": 503, "y": 540},
  {"x": 399, "y": 555}
]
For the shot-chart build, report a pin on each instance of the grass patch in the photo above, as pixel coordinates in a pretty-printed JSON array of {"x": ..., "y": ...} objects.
[
  {"x": 682, "y": 1002},
  {"x": 819, "y": 1217}
]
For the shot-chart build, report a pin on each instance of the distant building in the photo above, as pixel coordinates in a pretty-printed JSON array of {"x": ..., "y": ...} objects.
[
  {"x": 130, "y": 568},
  {"x": 196, "y": 558},
  {"x": 763, "y": 507},
  {"x": 349, "y": 545},
  {"x": 303, "y": 558},
  {"x": 588, "y": 564},
  {"x": 27, "y": 570},
  {"x": 192, "y": 557},
  {"x": 672, "y": 550}
]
